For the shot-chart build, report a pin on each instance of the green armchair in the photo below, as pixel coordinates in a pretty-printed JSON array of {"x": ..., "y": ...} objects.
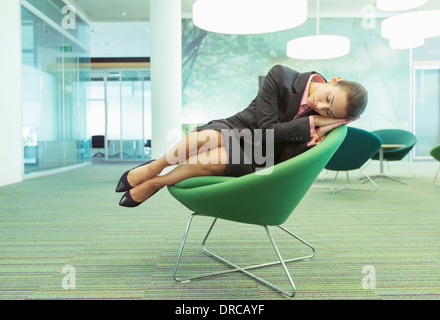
[
  {"x": 435, "y": 153},
  {"x": 266, "y": 198}
]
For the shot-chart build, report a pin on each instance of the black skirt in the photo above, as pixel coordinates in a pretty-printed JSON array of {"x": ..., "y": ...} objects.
[{"x": 241, "y": 149}]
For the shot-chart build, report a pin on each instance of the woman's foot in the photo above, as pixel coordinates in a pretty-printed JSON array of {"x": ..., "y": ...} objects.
[
  {"x": 138, "y": 194},
  {"x": 143, "y": 173},
  {"x": 137, "y": 175}
]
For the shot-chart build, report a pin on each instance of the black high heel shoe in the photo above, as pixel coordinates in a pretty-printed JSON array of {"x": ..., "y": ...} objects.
[
  {"x": 127, "y": 200},
  {"x": 123, "y": 184}
]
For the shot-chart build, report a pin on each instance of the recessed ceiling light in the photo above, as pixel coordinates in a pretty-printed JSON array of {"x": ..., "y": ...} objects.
[{"x": 124, "y": 13}]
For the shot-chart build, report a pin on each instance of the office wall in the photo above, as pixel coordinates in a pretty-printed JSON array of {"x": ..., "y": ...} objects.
[
  {"x": 10, "y": 94},
  {"x": 220, "y": 72}
]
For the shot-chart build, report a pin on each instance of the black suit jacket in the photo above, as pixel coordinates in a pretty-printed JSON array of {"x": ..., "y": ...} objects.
[{"x": 274, "y": 107}]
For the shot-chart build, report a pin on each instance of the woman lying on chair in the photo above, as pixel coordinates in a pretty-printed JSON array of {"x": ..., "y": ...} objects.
[{"x": 292, "y": 112}]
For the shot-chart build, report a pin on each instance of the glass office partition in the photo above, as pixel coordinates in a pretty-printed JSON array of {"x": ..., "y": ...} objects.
[
  {"x": 56, "y": 67},
  {"x": 95, "y": 109},
  {"x": 113, "y": 115},
  {"x": 132, "y": 115},
  {"x": 96, "y": 115},
  {"x": 426, "y": 110}
]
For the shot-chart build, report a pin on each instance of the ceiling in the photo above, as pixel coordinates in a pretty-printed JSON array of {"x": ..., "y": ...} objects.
[
  {"x": 120, "y": 28},
  {"x": 138, "y": 10}
]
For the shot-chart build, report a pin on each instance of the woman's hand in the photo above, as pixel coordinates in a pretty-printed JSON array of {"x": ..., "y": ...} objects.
[
  {"x": 324, "y": 125},
  {"x": 321, "y": 121}
]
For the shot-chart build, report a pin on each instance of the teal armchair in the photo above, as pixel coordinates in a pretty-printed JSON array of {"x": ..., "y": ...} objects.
[
  {"x": 356, "y": 150},
  {"x": 395, "y": 136},
  {"x": 390, "y": 137},
  {"x": 266, "y": 198}
]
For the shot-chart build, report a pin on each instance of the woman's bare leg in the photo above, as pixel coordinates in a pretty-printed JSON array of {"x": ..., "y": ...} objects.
[
  {"x": 209, "y": 163},
  {"x": 194, "y": 143}
]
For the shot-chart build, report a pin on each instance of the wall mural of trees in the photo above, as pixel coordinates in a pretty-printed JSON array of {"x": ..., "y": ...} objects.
[{"x": 220, "y": 72}]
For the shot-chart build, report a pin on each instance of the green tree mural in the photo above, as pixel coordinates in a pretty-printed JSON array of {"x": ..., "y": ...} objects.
[{"x": 220, "y": 72}]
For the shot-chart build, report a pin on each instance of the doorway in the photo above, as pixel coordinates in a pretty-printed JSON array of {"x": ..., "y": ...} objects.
[{"x": 119, "y": 108}]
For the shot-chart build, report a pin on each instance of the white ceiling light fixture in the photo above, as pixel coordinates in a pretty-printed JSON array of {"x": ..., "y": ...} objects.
[
  {"x": 406, "y": 42},
  {"x": 318, "y": 46},
  {"x": 249, "y": 16},
  {"x": 399, "y": 5},
  {"x": 409, "y": 30}
]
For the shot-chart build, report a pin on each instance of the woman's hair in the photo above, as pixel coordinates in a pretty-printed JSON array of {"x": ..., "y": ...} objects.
[{"x": 357, "y": 98}]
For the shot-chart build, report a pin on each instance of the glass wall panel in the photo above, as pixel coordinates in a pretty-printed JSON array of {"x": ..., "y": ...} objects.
[
  {"x": 147, "y": 113},
  {"x": 113, "y": 97},
  {"x": 54, "y": 77},
  {"x": 132, "y": 113},
  {"x": 95, "y": 109},
  {"x": 96, "y": 114},
  {"x": 426, "y": 110}
]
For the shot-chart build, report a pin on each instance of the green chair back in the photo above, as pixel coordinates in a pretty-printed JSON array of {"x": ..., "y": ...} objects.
[
  {"x": 435, "y": 152},
  {"x": 266, "y": 197},
  {"x": 356, "y": 149}
]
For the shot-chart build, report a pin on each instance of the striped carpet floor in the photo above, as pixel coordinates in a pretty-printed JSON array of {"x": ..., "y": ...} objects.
[{"x": 369, "y": 245}]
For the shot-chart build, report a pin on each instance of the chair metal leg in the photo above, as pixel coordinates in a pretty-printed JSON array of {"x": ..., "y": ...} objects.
[
  {"x": 347, "y": 186},
  {"x": 386, "y": 177},
  {"x": 321, "y": 176},
  {"x": 244, "y": 269},
  {"x": 409, "y": 170},
  {"x": 367, "y": 178},
  {"x": 181, "y": 250},
  {"x": 332, "y": 188},
  {"x": 382, "y": 174},
  {"x": 436, "y": 175}
]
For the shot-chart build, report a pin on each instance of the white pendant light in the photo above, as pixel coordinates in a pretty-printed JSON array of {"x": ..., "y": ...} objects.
[
  {"x": 398, "y": 5},
  {"x": 248, "y": 16},
  {"x": 407, "y": 30},
  {"x": 406, "y": 42},
  {"x": 318, "y": 46},
  {"x": 424, "y": 23}
]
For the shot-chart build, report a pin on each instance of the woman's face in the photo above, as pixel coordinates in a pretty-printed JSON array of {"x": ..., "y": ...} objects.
[{"x": 328, "y": 99}]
